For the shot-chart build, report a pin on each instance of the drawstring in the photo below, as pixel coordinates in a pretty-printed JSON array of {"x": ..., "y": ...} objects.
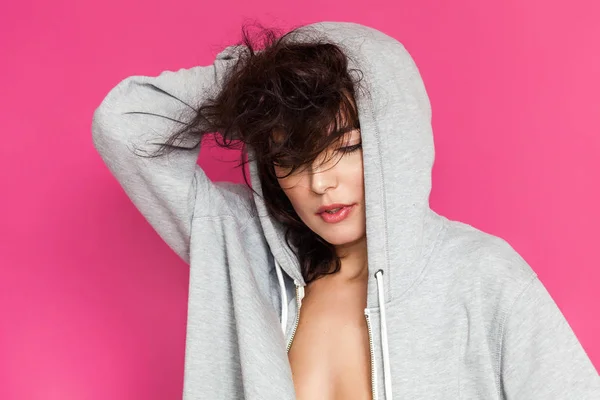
[
  {"x": 387, "y": 376},
  {"x": 284, "y": 309}
]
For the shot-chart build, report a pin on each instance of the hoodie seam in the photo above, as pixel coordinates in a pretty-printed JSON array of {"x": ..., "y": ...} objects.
[
  {"x": 501, "y": 332},
  {"x": 384, "y": 200},
  {"x": 428, "y": 258},
  {"x": 423, "y": 272},
  {"x": 193, "y": 187}
]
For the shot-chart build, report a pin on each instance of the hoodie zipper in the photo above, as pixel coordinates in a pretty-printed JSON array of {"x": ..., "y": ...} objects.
[
  {"x": 372, "y": 348},
  {"x": 299, "y": 297}
]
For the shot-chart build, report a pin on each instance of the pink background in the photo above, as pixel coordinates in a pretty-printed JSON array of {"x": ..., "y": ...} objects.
[{"x": 93, "y": 304}]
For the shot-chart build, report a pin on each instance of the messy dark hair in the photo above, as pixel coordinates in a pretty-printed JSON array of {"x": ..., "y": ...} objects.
[{"x": 288, "y": 101}]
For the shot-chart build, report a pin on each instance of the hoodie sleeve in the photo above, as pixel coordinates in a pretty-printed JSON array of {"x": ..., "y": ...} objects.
[
  {"x": 143, "y": 110},
  {"x": 541, "y": 357}
]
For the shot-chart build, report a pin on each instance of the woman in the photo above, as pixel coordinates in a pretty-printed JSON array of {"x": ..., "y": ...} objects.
[{"x": 288, "y": 299}]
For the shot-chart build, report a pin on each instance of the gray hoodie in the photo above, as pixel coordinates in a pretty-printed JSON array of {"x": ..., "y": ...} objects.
[{"x": 452, "y": 312}]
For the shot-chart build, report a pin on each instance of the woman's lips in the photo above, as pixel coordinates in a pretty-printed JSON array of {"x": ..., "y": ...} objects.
[{"x": 338, "y": 216}]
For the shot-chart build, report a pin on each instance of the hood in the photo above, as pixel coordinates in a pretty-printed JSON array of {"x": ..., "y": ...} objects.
[{"x": 398, "y": 155}]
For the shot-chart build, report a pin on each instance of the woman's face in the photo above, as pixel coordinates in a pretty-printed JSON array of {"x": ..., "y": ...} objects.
[{"x": 337, "y": 181}]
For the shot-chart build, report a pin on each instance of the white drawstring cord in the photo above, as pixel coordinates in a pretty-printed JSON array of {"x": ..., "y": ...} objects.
[
  {"x": 284, "y": 301},
  {"x": 387, "y": 375}
]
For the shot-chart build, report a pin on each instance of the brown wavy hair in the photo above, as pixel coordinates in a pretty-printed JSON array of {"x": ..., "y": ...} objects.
[{"x": 288, "y": 101}]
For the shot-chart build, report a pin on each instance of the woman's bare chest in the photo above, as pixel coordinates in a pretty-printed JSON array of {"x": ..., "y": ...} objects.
[{"x": 330, "y": 354}]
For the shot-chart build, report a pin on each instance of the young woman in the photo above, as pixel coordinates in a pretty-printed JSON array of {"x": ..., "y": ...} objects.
[{"x": 328, "y": 276}]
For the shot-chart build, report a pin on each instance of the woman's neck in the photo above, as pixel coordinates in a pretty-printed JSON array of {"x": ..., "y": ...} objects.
[{"x": 354, "y": 261}]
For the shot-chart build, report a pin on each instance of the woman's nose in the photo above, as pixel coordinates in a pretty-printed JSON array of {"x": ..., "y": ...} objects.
[{"x": 322, "y": 177}]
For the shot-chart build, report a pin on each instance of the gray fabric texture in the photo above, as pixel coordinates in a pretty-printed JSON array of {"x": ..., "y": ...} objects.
[{"x": 467, "y": 318}]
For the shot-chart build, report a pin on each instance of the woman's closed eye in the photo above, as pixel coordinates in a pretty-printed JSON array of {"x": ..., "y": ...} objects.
[
  {"x": 351, "y": 149},
  {"x": 289, "y": 167}
]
